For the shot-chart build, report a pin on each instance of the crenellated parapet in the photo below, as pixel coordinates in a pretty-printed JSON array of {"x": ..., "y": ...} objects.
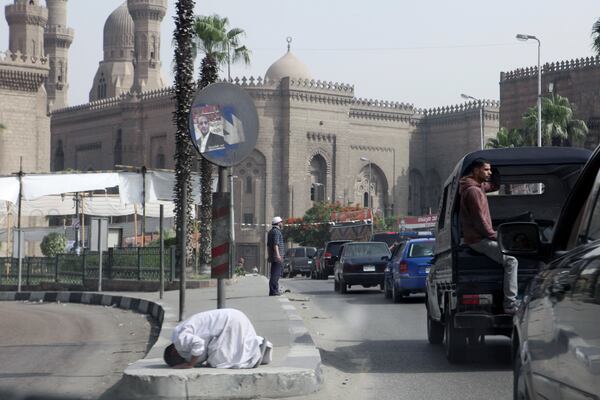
[
  {"x": 558, "y": 66},
  {"x": 21, "y": 72},
  {"x": 494, "y": 105},
  {"x": 381, "y": 110}
]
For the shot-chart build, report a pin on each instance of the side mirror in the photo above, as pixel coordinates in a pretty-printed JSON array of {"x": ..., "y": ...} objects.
[
  {"x": 385, "y": 258},
  {"x": 519, "y": 238},
  {"x": 334, "y": 258}
]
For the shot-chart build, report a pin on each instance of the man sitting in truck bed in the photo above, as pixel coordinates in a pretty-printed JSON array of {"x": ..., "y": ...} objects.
[{"x": 477, "y": 229}]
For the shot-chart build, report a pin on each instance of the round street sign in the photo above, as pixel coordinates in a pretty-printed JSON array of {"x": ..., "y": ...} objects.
[{"x": 223, "y": 124}]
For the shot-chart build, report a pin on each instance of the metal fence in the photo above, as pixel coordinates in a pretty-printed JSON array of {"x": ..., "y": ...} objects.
[{"x": 135, "y": 263}]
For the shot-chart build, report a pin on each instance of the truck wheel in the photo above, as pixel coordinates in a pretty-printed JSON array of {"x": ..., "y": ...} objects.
[
  {"x": 435, "y": 330},
  {"x": 343, "y": 287},
  {"x": 454, "y": 339},
  {"x": 386, "y": 290}
]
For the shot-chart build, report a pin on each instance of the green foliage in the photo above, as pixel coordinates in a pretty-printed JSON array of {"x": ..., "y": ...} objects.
[
  {"x": 313, "y": 228},
  {"x": 505, "y": 138},
  {"x": 596, "y": 37},
  {"x": 169, "y": 239},
  {"x": 381, "y": 223},
  {"x": 53, "y": 244},
  {"x": 559, "y": 128},
  {"x": 240, "y": 271}
]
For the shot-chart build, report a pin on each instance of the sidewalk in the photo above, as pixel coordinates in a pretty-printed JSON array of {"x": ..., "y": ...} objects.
[{"x": 296, "y": 366}]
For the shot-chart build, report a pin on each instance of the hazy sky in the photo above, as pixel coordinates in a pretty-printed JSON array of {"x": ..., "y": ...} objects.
[{"x": 424, "y": 52}]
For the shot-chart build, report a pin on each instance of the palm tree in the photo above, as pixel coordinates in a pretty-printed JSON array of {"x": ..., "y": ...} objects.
[
  {"x": 184, "y": 93},
  {"x": 596, "y": 37},
  {"x": 219, "y": 46},
  {"x": 506, "y": 138},
  {"x": 559, "y": 128}
]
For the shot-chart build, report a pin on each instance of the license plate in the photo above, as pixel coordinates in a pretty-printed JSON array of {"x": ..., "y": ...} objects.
[{"x": 368, "y": 268}]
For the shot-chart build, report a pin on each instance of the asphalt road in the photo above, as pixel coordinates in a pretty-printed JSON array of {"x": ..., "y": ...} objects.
[
  {"x": 66, "y": 351},
  {"x": 372, "y": 348}
]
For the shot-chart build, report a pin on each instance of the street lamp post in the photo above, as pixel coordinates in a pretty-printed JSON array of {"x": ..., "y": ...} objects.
[
  {"x": 369, "y": 200},
  {"x": 481, "y": 138},
  {"x": 539, "y": 94}
]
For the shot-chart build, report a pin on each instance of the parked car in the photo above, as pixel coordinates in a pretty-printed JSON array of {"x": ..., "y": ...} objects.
[
  {"x": 556, "y": 336},
  {"x": 408, "y": 268},
  {"x": 464, "y": 289},
  {"x": 316, "y": 262},
  {"x": 300, "y": 260},
  {"x": 360, "y": 263},
  {"x": 326, "y": 264}
]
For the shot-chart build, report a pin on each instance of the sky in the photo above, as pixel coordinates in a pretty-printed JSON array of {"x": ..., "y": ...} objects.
[{"x": 424, "y": 52}]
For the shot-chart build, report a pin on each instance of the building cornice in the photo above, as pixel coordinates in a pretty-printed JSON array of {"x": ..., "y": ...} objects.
[{"x": 548, "y": 68}]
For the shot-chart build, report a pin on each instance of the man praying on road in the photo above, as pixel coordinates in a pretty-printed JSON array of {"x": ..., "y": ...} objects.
[{"x": 223, "y": 338}]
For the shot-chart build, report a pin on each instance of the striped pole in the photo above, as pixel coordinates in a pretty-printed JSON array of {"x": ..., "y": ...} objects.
[{"x": 220, "y": 267}]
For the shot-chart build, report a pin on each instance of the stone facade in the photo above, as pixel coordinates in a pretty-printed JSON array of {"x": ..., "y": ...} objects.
[
  {"x": 311, "y": 133},
  {"x": 577, "y": 80}
]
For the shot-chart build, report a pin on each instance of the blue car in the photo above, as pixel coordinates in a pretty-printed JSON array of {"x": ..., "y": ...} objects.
[{"x": 407, "y": 269}]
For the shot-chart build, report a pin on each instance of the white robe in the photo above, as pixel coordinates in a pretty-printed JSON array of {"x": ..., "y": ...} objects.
[{"x": 225, "y": 338}]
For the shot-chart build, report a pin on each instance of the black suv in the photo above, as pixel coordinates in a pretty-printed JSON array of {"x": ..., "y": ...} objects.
[
  {"x": 326, "y": 264},
  {"x": 299, "y": 260}
]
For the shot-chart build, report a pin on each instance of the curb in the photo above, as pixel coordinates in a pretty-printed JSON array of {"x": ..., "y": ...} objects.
[{"x": 149, "y": 378}]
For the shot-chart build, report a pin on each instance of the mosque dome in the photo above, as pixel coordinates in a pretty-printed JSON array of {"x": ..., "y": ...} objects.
[
  {"x": 118, "y": 35},
  {"x": 288, "y": 66}
]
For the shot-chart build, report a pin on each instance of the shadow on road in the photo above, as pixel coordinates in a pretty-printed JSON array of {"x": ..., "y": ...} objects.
[{"x": 415, "y": 356}]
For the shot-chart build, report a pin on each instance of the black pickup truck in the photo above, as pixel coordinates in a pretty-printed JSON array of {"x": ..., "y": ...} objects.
[{"x": 464, "y": 292}]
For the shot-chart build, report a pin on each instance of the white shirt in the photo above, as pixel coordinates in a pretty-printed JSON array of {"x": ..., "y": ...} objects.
[{"x": 225, "y": 338}]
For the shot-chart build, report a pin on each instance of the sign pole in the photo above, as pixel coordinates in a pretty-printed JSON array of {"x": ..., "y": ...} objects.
[
  {"x": 162, "y": 251},
  {"x": 220, "y": 280},
  {"x": 99, "y": 255}
]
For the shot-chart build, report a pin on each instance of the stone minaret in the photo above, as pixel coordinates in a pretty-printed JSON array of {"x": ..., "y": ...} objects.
[
  {"x": 57, "y": 40},
  {"x": 147, "y": 16},
  {"x": 26, "y": 20}
]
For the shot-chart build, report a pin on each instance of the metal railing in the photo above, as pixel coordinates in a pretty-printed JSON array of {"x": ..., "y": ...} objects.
[{"x": 135, "y": 263}]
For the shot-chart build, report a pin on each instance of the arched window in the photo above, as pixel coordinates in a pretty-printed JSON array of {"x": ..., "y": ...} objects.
[
  {"x": 318, "y": 173},
  {"x": 248, "y": 186},
  {"x": 366, "y": 199}
]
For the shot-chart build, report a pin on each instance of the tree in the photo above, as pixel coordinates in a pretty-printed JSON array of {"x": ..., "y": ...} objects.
[
  {"x": 53, "y": 243},
  {"x": 313, "y": 228},
  {"x": 596, "y": 37},
  {"x": 184, "y": 92},
  {"x": 506, "y": 138},
  {"x": 219, "y": 46},
  {"x": 559, "y": 128}
]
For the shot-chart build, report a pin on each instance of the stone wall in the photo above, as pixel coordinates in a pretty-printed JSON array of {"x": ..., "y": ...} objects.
[{"x": 578, "y": 80}]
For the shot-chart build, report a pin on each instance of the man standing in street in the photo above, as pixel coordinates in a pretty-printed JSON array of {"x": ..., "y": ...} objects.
[
  {"x": 275, "y": 253},
  {"x": 477, "y": 229}
]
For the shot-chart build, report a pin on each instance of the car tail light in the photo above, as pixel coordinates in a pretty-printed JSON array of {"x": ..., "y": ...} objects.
[
  {"x": 327, "y": 255},
  {"x": 404, "y": 267},
  {"x": 476, "y": 299}
]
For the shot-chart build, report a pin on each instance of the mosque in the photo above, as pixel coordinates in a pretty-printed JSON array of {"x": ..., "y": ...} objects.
[{"x": 316, "y": 141}]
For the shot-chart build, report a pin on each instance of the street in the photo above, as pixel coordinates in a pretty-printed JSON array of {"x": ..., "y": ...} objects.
[
  {"x": 67, "y": 350},
  {"x": 372, "y": 348}
]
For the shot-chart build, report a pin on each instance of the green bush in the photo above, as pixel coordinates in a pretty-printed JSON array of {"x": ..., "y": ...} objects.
[{"x": 53, "y": 244}]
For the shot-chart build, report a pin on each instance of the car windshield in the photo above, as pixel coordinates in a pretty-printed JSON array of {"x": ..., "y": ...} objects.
[
  {"x": 366, "y": 249},
  {"x": 299, "y": 252},
  {"x": 421, "y": 249}
]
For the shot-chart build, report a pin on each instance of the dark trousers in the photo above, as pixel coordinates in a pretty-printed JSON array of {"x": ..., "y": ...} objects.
[{"x": 276, "y": 268}]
